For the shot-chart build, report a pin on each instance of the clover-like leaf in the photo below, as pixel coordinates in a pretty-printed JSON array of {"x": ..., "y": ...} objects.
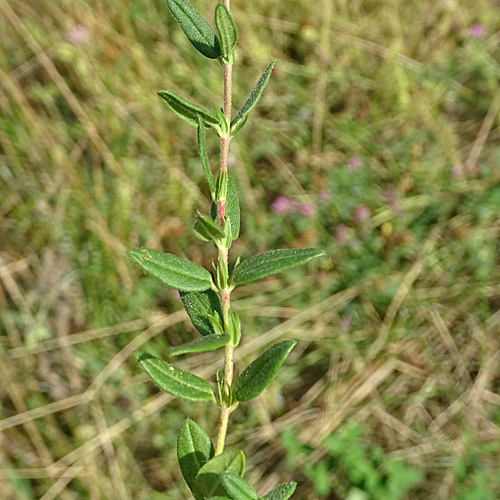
[
  {"x": 254, "y": 96},
  {"x": 179, "y": 383},
  {"x": 188, "y": 111},
  {"x": 272, "y": 262},
  {"x": 171, "y": 270},
  {"x": 227, "y": 32},
  {"x": 201, "y": 305},
  {"x": 261, "y": 371},
  {"x": 282, "y": 492},
  {"x": 208, "y": 343},
  {"x": 194, "y": 449},
  {"x": 196, "y": 27}
]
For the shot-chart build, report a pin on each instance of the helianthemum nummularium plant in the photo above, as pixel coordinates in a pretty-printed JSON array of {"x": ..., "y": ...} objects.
[{"x": 214, "y": 472}]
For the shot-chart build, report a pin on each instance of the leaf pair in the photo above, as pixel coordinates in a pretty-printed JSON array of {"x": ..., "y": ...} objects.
[{"x": 217, "y": 477}]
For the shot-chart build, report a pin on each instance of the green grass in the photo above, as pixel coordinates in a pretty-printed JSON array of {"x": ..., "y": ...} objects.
[{"x": 397, "y": 328}]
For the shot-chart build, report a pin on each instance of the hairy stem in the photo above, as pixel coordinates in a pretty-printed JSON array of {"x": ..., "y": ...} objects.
[{"x": 225, "y": 293}]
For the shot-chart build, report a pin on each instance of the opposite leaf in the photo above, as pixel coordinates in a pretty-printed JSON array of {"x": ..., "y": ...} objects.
[
  {"x": 208, "y": 481},
  {"x": 273, "y": 262},
  {"x": 196, "y": 27},
  {"x": 236, "y": 487},
  {"x": 194, "y": 449},
  {"x": 171, "y": 270},
  {"x": 179, "y": 383},
  {"x": 207, "y": 229},
  {"x": 260, "y": 373},
  {"x": 199, "y": 307},
  {"x": 204, "y": 157},
  {"x": 208, "y": 343},
  {"x": 282, "y": 492},
  {"x": 254, "y": 96},
  {"x": 188, "y": 111},
  {"x": 233, "y": 208},
  {"x": 227, "y": 32}
]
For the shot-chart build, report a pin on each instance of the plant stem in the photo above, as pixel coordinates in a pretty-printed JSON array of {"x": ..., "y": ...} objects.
[{"x": 225, "y": 293}]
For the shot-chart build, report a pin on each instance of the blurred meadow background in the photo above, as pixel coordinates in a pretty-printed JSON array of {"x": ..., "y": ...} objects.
[{"x": 377, "y": 138}]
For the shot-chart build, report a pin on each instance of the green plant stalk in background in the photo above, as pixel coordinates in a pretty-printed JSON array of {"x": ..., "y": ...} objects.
[{"x": 208, "y": 472}]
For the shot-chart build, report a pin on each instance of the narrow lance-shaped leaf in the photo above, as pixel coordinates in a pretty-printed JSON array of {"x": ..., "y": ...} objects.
[
  {"x": 203, "y": 155},
  {"x": 282, "y": 492},
  {"x": 208, "y": 479},
  {"x": 236, "y": 487},
  {"x": 208, "y": 343},
  {"x": 254, "y": 96},
  {"x": 227, "y": 32},
  {"x": 207, "y": 229},
  {"x": 233, "y": 208},
  {"x": 196, "y": 27},
  {"x": 179, "y": 383},
  {"x": 194, "y": 449},
  {"x": 261, "y": 371},
  {"x": 188, "y": 111},
  {"x": 272, "y": 262},
  {"x": 199, "y": 307},
  {"x": 171, "y": 270}
]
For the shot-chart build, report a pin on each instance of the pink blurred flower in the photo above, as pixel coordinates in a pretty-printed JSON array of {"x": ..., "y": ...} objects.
[
  {"x": 324, "y": 196},
  {"x": 307, "y": 210},
  {"x": 341, "y": 234},
  {"x": 346, "y": 322},
  {"x": 362, "y": 213},
  {"x": 78, "y": 34},
  {"x": 477, "y": 31},
  {"x": 354, "y": 163},
  {"x": 283, "y": 205},
  {"x": 176, "y": 295},
  {"x": 457, "y": 171}
]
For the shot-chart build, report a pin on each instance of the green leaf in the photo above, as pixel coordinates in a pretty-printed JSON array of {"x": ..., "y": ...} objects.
[
  {"x": 236, "y": 487},
  {"x": 227, "y": 32},
  {"x": 254, "y": 96},
  {"x": 273, "y": 262},
  {"x": 171, "y": 270},
  {"x": 239, "y": 126},
  {"x": 188, "y": 111},
  {"x": 194, "y": 449},
  {"x": 208, "y": 343},
  {"x": 203, "y": 155},
  {"x": 282, "y": 492},
  {"x": 260, "y": 373},
  {"x": 233, "y": 208},
  {"x": 196, "y": 27},
  {"x": 219, "y": 498},
  {"x": 199, "y": 306},
  {"x": 207, "y": 229},
  {"x": 179, "y": 383},
  {"x": 208, "y": 482}
]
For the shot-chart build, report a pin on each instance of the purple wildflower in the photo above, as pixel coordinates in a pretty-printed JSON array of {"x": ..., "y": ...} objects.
[
  {"x": 78, "y": 34},
  {"x": 354, "y": 163},
  {"x": 307, "y": 210},
  {"x": 283, "y": 205},
  {"x": 362, "y": 213},
  {"x": 477, "y": 31}
]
